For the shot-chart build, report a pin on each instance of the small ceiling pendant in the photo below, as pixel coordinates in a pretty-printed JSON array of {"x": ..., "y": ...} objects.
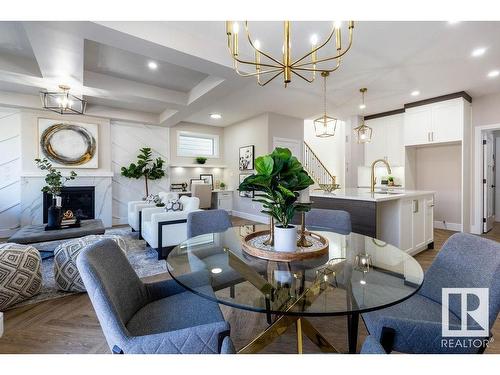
[
  {"x": 63, "y": 102},
  {"x": 363, "y": 132},
  {"x": 325, "y": 125}
]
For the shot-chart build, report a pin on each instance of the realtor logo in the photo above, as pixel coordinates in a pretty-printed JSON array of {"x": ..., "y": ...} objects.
[{"x": 477, "y": 299}]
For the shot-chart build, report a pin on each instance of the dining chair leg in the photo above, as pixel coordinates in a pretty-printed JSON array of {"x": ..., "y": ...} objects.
[{"x": 352, "y": 332}]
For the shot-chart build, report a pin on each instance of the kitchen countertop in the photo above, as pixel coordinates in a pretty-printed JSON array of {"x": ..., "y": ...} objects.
[{"x": 364, "y": 194}]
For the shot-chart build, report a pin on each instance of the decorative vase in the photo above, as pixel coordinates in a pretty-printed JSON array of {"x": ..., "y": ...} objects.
[
  {"x": 285, "y": 239},
  {"x": 54, "y": 214}
]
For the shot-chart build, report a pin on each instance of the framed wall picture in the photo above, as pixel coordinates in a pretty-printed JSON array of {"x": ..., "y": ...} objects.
[
  {"x": 245, "y": 194},
  {"x": 247, "y": 158},
  {"x": 68, "y": 144},
  {"x": 208, "y": 178}
]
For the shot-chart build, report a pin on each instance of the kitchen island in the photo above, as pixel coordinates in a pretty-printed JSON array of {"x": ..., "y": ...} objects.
[{"x": 403, "y": 218}]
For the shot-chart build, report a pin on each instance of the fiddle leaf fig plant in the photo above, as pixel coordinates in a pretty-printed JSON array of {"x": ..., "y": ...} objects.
[
  {"x": 279, "y": 179},
  {"x": 145, "y": 167}
]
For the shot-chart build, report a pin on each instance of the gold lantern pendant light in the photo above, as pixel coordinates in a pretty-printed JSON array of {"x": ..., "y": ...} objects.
[
  {"x": 325, "y": 125},
  {"x": 363, "y": 132}
]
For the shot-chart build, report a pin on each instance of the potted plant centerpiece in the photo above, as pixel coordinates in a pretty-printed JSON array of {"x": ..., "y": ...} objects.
[
  {"x": 55, "y": 182},
  {"x": 279, "y": 179}
]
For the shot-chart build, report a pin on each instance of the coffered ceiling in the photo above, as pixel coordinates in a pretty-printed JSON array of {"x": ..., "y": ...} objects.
[{"x": 107, "y": 63}]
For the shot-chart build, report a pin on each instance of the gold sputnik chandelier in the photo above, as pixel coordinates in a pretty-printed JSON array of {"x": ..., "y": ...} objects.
[
  {"x": 268, "y": 67},
  {"x": 325, "y": 125}
]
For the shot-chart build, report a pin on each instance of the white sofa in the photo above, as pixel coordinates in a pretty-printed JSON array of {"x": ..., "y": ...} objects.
[
  {"x": 164, "y": 230},
  {"x": 136, "y": 207}
]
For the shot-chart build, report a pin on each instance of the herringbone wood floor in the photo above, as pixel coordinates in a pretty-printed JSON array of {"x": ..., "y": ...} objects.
[{"x": 69, "y": 325}]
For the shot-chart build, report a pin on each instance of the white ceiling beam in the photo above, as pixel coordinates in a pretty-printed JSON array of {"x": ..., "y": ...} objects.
[
  {"x": 204, "y": 87},
  {"x": 97, "y": 84},
  {"x": 122, "y": 114},
  {"x": 59, "y": 53}
]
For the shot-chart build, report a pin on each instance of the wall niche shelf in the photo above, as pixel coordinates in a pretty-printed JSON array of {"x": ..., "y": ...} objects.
[{"x": 197, "y": 166}]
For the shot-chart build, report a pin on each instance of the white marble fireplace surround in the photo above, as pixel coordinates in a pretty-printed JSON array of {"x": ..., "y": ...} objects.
[{"x": 32, "y": 197}]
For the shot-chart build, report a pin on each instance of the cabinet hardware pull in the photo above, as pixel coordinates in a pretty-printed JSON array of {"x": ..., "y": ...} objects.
[{"x": 415, "y": 206}]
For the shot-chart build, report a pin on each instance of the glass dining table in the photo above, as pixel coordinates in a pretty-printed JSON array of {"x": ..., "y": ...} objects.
[{"x": 359, "y": 274}]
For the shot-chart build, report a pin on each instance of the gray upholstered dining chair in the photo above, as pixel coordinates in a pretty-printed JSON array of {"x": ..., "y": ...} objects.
[
  {"x": 335, "y": 220},
  {"x": 210, "y": 221},
  {"x": 160, "y": 317},
  {"x": 465, "y": 261}
]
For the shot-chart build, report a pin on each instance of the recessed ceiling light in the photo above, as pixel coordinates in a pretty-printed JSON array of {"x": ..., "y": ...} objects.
[
  {"x": 215, "y": 116},
  {"x": 152, "y": 65},
  {"x": 415, "y": 93},
  {"x": 493, "y": 73},
  {"x": 216, "y": 270},
  {"x": 478, "y": 52},
  {"x": 362, "y": 106}
]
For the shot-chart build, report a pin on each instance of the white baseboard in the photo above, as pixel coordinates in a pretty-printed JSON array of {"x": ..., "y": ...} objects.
[
  {"x": 253, "y": 217},
  {"x": 448, "y": 226}
]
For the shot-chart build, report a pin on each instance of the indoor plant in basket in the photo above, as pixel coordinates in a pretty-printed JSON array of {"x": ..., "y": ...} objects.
[
  {"x": 279, "y": 179},
  {"x": 55, "y": 182}
]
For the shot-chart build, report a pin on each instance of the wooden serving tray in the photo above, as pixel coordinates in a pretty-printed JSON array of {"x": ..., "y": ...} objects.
[{"x": 283, "y": 256}]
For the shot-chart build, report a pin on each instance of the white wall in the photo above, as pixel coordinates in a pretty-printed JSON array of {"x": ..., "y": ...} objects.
[
  {"x": 331, "y": 150},
  {"x": 485, "y": 111},
  {"x": 354, "y": 154},
  {"x": 126, "y": 141},
  {"x": 439, "y": 168},
  {"x": 253, "y": 131},
  {"x": 185, "y": 174},
  {"x": 10, "y": 178}
]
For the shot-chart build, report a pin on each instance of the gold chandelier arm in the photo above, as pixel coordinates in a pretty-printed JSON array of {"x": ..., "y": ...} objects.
[
  {"x": 255, "y": 64},
  {"x": 321, "y": 70},
  {"x": 258, "y": 50},
  {"x": 315, "y": 49},
  {"x": 301, "y": 76},
  {"x": 269, "y": 80},
  {"x": 235, "y": 67},
  {"x": 329, "y": 58}
]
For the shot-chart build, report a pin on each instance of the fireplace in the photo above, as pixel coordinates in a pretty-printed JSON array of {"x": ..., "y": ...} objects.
[{"x": 79, "y": 199}]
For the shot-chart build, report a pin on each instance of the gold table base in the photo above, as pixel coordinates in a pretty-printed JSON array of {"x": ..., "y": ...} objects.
[{"x": 280, "y": 326}]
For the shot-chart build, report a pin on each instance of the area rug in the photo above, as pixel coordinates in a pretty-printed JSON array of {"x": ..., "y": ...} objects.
[{"x": 143, "y": 259}]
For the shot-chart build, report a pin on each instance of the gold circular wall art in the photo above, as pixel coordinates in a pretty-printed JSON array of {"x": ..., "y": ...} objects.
[{"x": 57, "y": 140}]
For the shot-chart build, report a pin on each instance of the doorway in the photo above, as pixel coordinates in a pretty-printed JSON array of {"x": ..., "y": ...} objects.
[
  {"x": 489, "y": 151},
  {"x": 486, "y": 201}
]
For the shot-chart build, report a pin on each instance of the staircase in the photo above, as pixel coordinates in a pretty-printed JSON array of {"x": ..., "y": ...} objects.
[{"x": 315, "y": 167}]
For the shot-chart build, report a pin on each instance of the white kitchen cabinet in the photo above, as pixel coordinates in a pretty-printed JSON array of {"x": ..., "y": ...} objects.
[
  {"x": 224, "y": 200},
  {"x": 429, "y": 219},
  {"x": 416, "y": 223},
  {"x": 438, "y": 122},
  {"x": 417, "y": 126},
  {"x": 387, "y": 140}
]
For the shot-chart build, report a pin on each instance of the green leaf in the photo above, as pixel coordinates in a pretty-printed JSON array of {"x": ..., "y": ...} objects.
[{"x": 264, "y": 165}]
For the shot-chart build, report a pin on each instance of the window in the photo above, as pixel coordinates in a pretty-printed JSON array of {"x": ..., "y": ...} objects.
[{"x": 197, "y": 144}]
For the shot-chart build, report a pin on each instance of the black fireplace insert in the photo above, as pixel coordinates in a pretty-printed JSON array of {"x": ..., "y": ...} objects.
[{"x": 79, "y": 199}]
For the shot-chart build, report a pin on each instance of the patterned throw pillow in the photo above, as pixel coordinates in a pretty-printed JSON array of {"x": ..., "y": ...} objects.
[
  {"x": 173, "y": 205},
  {"x": 150, "y": 198}
]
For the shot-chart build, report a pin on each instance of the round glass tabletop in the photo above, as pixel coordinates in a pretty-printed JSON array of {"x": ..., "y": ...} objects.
[{"x": 359, "y": 274}]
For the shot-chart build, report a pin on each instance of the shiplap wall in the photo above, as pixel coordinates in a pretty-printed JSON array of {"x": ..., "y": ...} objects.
[
  {"x": 126, "y": 140},
  {"x": 10, "y": 162}
]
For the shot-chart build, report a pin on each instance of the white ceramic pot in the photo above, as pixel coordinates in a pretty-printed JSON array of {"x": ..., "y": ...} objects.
[{"x": 285, "y": 239}]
